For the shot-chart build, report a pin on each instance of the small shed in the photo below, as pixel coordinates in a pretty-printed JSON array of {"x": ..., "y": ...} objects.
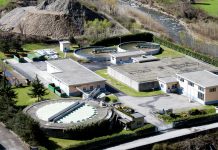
[
  {"x": 64, "y": 46},
  {"x": 168, "y": 84}
]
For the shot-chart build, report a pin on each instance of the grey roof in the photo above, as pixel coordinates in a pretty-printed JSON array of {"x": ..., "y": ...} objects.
[
  {"x": 73, "y": 73},
  {"x": 168, "y": 79},
  {"x": 145, "y": 58},
  {"x": 64, "y": 42},
  {"x": 137, "y": 115},
  {"x": 150, "y": 71},
  {"x": 129, "y": 53},
  {"x": 202, "y": 78}
]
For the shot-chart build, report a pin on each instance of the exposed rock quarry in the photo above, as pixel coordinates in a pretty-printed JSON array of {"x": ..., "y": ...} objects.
[{"x": 57, "y": 19}]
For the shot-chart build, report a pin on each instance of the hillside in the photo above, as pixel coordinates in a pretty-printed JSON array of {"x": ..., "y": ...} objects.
[{"x": 57, "y": 19}]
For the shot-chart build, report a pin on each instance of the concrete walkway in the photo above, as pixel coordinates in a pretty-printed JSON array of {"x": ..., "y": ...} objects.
[
  {"x": 10, "y": 141},
  {"x": 163, "y": 137}
]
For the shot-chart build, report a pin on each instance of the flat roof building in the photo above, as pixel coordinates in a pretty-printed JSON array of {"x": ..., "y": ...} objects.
[
  {"x": 201, "y": 86},
  {"x": 143, "y": 76},
  {"x": 70, "y": 75},
  {"x": 64, "y": 46},
  {"x": 125, "y": 57},
  {"x": 144, "y": 58}
]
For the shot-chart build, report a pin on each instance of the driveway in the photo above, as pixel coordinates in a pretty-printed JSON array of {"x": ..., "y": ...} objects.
[
  {"x": 9, "y": 141},
  {"x": 148, "y": 106}
]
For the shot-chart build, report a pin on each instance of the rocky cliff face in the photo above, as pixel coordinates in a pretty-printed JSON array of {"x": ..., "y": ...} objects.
[
  {"x": 65, "y": 6},
  {"x": 57, "y": 19}
]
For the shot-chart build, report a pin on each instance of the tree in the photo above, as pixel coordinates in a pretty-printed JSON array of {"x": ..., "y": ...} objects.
[
  {"x": 111, "y": 6},
  {"x": 28, "y": 129},
  {"x": 7, "y": 94},
  {"x": 97, "y": 28},
  {"x": 4, "y": 46},
  {"x": 38, "y": 90}
]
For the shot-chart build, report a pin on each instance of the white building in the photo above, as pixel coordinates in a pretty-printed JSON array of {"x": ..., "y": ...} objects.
[
  {"x": 64, "y": 46},
  {"x": 168, "y": 84},
  {"x": 70, "y": 75},
  {"x": 125, "y": 57},
  {"x": 201, "y": 86}
]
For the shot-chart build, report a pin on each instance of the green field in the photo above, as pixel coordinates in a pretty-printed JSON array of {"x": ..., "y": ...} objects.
[
  {"x": 4, "y": 2},
  {"x": 64, "y": 143},
  {"x": 35, "y": 46},
  {"x": 124, "y": 88},
  {"x": 209, "y": 6},
  {"x": 23, "y": 99},
  {"x": 168, "y": 53}
]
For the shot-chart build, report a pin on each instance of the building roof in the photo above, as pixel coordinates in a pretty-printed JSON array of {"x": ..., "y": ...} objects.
[
  {"x": 150, "y": 71},
  {"x": 203, "y": 78},
  {"x": 128, "y": 54},
  {"x": 73, "y": 73},
  {"x": 63, "y": 42},
  {"x": 168, "y": 80},
  {"x": 137, "y": 115},
  {"x": 145, "y": 58}
]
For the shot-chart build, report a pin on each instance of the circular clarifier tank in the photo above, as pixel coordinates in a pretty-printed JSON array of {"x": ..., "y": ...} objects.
[
  {"x": 80, "y": 114},
  {"x": 148, "y": 47},
  {"x": 65, "y": 113}
]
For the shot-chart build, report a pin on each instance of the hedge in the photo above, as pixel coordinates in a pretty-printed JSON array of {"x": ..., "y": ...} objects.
[
  {"x": 189, "y": 52},
  {"x": 195, "y": 120},
  {"x": 125, "y": 38},
  {"x": 105, "y": 141}
]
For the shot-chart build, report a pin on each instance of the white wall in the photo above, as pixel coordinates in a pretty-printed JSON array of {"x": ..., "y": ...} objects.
[
  {"x": 191, "y": 92},
  {"x": 62, "y": 85},
  {"x": 163, "y": 86},
  {"x": 120, "y": 77},
  {"x": 64, "y": 46}
]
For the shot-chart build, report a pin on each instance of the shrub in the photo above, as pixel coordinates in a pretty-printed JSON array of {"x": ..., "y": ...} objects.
[
  {"x": 102, "y": 142},
  {"x": 27, "y": 129},
  {"x": 196, "y": 112},
  {"x": 195, "y": 120},
  {"x": 111, "y": 98}
]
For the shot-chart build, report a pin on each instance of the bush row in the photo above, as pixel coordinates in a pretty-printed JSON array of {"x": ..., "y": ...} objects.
[
  {"x": 125, "y": 38},
  {"x": 105, "y": 141},
  {"x": 189, "y": 52},
  {"x": 195, "y": 120},
  {"x": 85, "y": 131}
]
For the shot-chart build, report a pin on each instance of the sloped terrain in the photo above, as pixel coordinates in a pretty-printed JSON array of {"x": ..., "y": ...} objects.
[{"x": 57, "y": 19}]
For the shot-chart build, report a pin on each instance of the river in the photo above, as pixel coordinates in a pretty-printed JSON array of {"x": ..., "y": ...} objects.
[{"x": 176, "y": 31}]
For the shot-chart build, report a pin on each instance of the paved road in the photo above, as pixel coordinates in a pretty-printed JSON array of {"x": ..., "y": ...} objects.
[
  {"x": 9, "y": 141},
  {"x": 149, "y": 105},
  {"x": 163, "y": 137}
]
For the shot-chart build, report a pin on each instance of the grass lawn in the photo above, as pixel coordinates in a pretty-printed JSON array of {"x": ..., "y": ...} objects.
[
  {"x": 34, "y": 46},
  {"x": 64, "y": 143},
  {"x": 169, "y": 53},
  {"x": 23, "y": 99},
  {"x": 2, "y": 55},
  {"x": 4, "y": 2},
  {"x": 209, "y": 6},
  {"x": 124, "y": 88}
]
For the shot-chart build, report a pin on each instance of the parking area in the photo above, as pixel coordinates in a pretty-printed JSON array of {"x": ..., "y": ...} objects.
[{"x": 148, "y": 106}]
